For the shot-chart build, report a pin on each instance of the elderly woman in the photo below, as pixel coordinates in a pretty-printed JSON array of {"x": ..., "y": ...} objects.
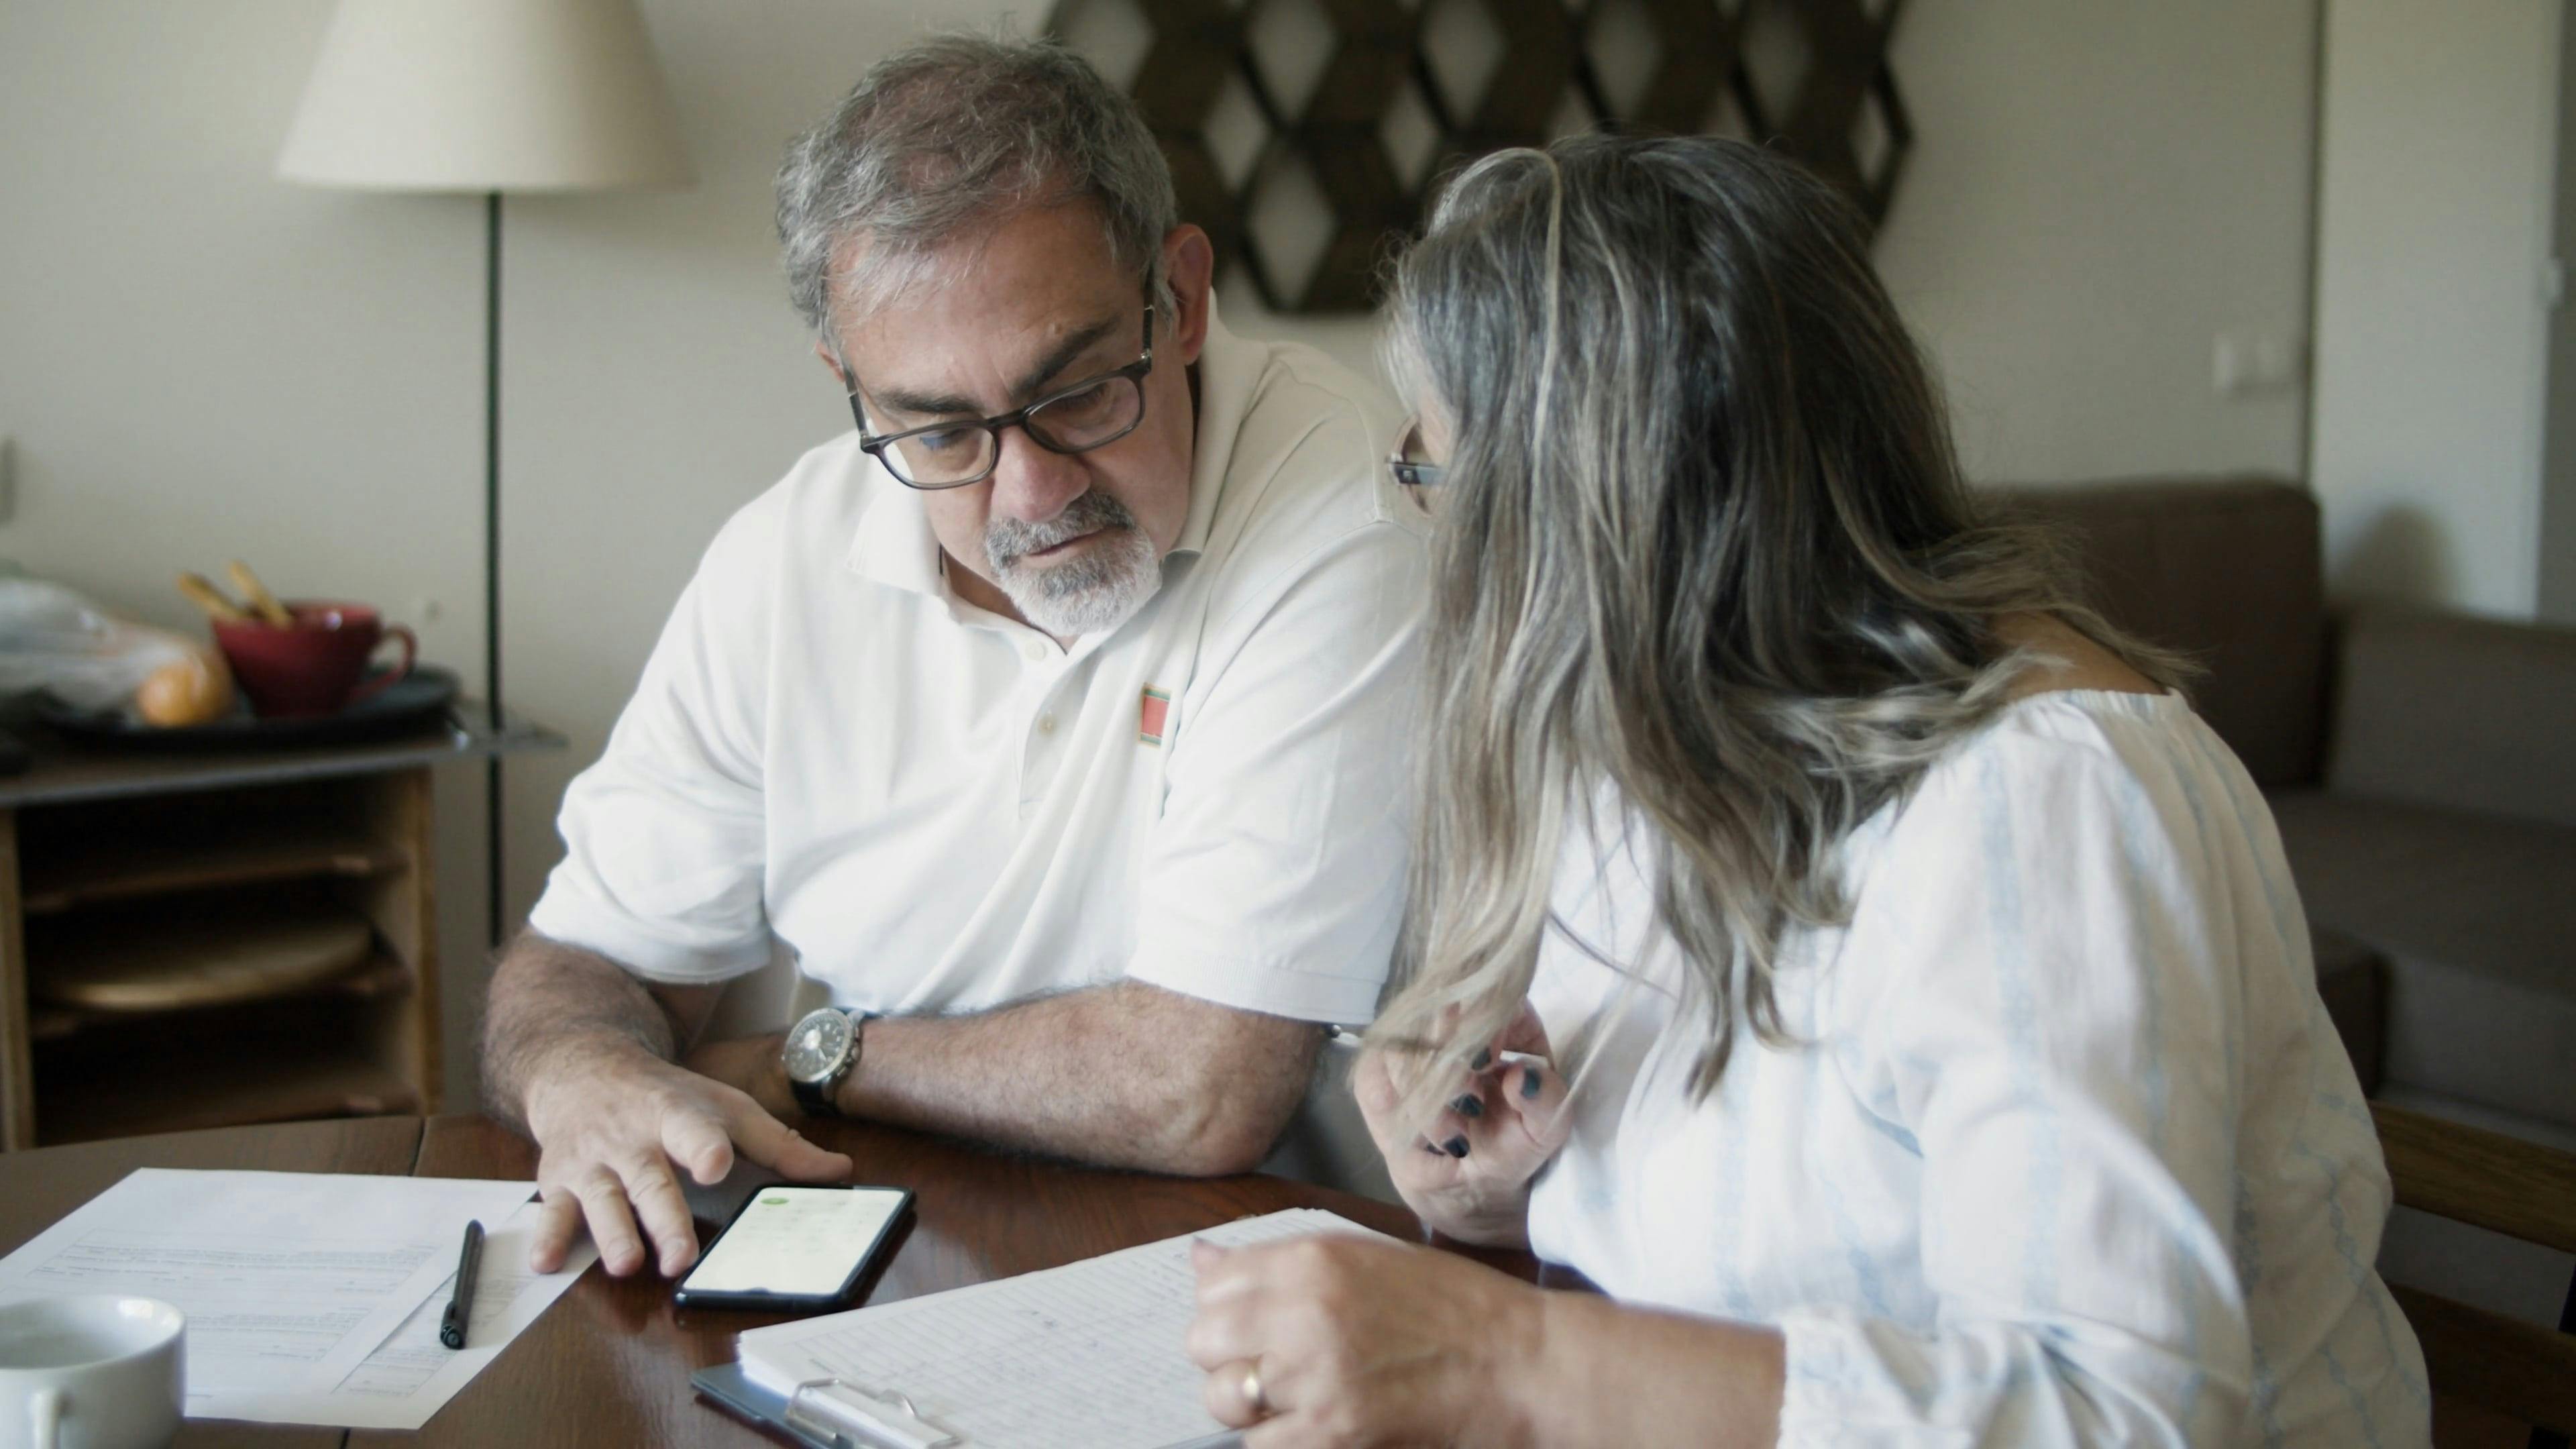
[{"x": 1828, "y": 936}]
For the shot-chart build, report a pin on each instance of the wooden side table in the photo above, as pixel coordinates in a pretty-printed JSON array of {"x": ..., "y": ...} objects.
[{"x": 197, "y": 940}]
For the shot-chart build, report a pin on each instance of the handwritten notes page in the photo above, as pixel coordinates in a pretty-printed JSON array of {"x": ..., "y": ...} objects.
[{"x": 1087, "y": 1356}]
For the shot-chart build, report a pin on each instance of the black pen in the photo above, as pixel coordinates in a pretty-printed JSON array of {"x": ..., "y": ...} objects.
[{"x": 460, "y": 1307}]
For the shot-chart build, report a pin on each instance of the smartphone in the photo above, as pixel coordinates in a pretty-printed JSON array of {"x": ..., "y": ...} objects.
[{"x": 796, "y": 1249}]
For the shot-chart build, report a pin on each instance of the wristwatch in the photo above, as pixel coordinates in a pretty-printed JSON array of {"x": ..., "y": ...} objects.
[{"x": 820, "y": 1051}]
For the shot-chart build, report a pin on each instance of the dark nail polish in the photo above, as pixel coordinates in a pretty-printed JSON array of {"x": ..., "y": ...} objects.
[
  {"x": 1456, "y": 1146},
  {"x": 1483, "y": 1058},
  {"x": 1470, "y": 1106},
  {"x": 1529, "y": 1082}
]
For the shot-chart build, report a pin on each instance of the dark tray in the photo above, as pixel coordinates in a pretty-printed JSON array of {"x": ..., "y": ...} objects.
[{"x": 420, "y": 698}]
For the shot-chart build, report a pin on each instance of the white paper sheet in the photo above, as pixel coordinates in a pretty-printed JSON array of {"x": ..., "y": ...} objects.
[
  {"x": 1087, "y": 1356},
  {"x": 412, "y": 1375},
  {"x": 289, "y": 1280}
]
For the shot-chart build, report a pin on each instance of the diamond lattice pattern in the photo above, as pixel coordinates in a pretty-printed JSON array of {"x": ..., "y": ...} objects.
[{"x": 1304, "y": 134}]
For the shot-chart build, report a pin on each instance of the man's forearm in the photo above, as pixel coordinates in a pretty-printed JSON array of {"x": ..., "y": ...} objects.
[
  {"x": 1125, "y": 1075},
  {"x": 554, "y": 1006}
]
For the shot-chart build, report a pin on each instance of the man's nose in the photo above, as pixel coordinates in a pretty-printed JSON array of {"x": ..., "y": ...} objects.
[{"x": 1033, "y": 484}]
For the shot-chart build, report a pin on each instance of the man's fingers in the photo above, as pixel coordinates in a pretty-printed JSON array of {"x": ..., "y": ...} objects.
[
  {"x": 697, "y": 1141},
  {"x": 771, "y": 1143},
  {"x": 558, "y": 1220},
  {"x": 664, "y": 1212},
  {"x": 612, "y": 1223}
]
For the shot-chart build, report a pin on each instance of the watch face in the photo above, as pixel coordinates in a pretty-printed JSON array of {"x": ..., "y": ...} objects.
[{"x": 817, "y": 1046}]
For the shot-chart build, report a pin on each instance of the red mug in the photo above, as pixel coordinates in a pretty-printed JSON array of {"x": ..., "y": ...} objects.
[{"x": 312, "y": 666}]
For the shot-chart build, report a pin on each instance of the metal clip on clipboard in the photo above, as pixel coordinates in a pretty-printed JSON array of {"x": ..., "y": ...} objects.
[{"x": 846, "y": 1416}]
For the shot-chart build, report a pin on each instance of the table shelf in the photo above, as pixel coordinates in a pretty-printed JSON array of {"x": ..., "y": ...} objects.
[
  {"x": 379, "y": 979},
  {"x": 122, "y": 872},
  {"x": 173, "y": 839},
  {"x": 222, "y": 1090},
  {"x": 163, "y": 901}
]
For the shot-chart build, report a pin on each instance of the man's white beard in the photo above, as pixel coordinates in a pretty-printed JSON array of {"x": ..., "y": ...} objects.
[{"x": 1093, "y": 592}]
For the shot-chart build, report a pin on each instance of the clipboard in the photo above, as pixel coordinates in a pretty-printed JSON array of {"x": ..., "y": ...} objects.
[{"x": 817, "y": 1423}]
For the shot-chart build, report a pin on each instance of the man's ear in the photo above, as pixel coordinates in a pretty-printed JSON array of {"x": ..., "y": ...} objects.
[
  {"x": 1189, "y": 263},
  {"x": 832, "y": 365}
]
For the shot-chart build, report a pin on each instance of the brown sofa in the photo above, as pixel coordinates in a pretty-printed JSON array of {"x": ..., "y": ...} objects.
[{"x": 2423, "y": 771}]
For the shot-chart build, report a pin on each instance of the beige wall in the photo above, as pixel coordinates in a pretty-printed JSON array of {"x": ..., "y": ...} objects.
[
  {"x": 2098, "y": 189},
  {"x": 2435, "y": 202},
  {"x": 198, "y": 363}
]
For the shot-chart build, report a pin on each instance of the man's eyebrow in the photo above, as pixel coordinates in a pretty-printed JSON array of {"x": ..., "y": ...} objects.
[{"x": 918, "y": 404}]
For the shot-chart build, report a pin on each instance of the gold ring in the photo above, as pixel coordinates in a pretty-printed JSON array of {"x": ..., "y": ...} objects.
[{"x": 1252, "y": 1393}]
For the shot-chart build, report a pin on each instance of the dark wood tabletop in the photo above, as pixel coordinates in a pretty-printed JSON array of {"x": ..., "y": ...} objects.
[{"x": 609, "y": 1363}]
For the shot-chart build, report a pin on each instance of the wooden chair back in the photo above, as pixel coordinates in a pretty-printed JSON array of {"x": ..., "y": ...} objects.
[{"x": 2506, "y": 1185}]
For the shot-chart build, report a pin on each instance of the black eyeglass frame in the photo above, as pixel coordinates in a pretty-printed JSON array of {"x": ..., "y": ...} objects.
[
  {"x": 1134, "y": 372},
  {"x": 1409, "y": 472}
]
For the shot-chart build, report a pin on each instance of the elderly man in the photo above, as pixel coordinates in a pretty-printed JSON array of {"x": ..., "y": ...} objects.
[{"x": 1054, "y": 720}]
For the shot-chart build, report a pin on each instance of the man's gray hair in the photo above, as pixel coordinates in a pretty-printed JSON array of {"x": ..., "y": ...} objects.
[{"x": 956, "y": 135}]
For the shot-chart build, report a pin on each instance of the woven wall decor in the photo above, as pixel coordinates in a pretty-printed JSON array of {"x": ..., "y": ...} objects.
[{"x": 1304, "y": 134}]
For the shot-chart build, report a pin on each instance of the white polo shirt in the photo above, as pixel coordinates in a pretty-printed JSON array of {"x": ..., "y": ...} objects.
[{"x": 937, "y": 809}]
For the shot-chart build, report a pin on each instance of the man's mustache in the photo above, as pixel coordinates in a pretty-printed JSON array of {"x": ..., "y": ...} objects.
[{"x": 1007, "y": 540}]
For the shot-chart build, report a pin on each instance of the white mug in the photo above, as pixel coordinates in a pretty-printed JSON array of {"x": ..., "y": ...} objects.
[{"x": 96, "y": 1371}]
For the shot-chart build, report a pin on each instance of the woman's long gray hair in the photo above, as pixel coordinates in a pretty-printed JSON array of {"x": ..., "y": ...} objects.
[{"x": 1705, "y": 542}]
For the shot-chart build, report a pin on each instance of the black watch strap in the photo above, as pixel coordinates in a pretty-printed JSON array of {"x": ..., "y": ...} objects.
[{"x": 816, "y": 1097}]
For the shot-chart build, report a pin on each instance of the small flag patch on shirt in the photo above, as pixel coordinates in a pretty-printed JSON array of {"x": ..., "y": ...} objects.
[{"x": 1155, "y": 708}]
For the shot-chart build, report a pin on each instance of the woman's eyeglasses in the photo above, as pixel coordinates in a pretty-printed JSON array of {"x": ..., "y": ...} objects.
[{"x": 1411, "y": 462}]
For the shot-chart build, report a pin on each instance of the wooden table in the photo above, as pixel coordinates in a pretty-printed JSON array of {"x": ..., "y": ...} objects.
[{"x": 609, "y": 1363}]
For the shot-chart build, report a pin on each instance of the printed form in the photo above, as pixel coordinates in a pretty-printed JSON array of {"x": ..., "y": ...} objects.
[
  {"x": 291, "y": 1282},
  {"x": 1087, "y": 1356}
]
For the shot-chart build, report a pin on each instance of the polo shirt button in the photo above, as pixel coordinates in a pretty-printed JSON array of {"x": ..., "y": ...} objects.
[
  {"x": 1034, "y": 650},
  {"x": 1046, "y": 724}
]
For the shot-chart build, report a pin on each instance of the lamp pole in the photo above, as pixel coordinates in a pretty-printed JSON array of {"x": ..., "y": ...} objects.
[
  {"x": 492, "y": 553},
  {"x": 482, "y": 97}
]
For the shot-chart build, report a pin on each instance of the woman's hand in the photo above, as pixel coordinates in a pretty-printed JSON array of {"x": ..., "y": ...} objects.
[
  {"x": 1469, "y": 1176},
  {"x": 1344, "y": 1341}
]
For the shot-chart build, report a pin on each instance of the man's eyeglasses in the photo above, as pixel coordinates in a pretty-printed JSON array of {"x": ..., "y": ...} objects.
[
  {"x": 953, "y": 454},
  {"x": 1411, "y": 462}
]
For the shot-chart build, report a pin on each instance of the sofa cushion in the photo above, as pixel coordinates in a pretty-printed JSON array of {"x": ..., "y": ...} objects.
[
  {"x": 2457, "y": 713},
  {"x": 2354, "y": 982},
  {"x": 2476, "y": 916},
  {"x": 2225, "y": 570}
]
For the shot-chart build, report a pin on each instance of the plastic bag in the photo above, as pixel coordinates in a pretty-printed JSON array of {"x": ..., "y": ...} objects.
[{"x": 54, "y": 640}]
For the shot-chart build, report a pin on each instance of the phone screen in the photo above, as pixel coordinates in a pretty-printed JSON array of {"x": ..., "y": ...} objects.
[{"x": 799, "y": 1242}]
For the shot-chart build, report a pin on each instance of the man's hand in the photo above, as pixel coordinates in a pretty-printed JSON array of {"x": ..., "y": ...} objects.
[
  {"x": 754, "y": 1065},
  {"x": 609, "y": 1135}
]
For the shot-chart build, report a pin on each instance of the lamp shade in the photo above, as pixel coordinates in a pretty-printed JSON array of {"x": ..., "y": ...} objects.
[{"x": 485, "y": 95}]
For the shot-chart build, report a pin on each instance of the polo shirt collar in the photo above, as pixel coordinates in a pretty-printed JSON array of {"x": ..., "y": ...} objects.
[
  {"x": 894, "y": 544},
  {"x": 1230, "y": 371}
]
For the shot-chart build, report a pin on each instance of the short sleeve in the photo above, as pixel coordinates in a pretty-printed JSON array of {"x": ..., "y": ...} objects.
[
  {"x": 2043, "y": 983},
  {"x": 1274, "y": 879},
  {"x": 664, "y": 836}
]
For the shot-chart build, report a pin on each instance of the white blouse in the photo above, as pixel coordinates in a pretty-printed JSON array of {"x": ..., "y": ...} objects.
[{"x": 2067, "y": 1151}]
